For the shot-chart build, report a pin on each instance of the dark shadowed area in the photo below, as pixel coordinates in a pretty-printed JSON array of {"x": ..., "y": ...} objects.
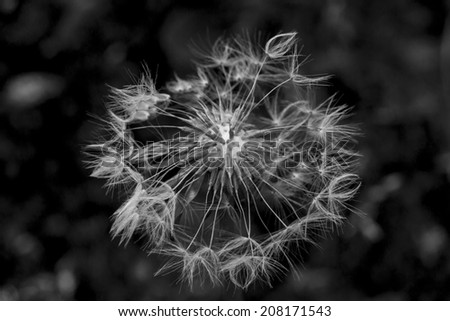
[{"x": 389, "y": 59}]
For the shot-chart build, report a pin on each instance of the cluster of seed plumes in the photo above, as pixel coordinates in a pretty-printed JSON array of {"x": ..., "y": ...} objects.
[{"x": 233, "y": 167}]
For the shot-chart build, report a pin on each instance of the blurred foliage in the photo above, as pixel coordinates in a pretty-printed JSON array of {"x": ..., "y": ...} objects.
[{"x": 389, "y": 59}]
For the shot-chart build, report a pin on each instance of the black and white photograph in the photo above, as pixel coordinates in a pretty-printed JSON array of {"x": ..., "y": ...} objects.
[{"x": 252, "y": 150}]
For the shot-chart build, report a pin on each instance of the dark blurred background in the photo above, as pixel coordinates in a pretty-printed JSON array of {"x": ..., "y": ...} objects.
[{"x": 389, "y": 59}]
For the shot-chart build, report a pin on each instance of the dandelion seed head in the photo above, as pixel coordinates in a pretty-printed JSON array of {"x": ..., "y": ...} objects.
[{"x": 255, "y": 166}]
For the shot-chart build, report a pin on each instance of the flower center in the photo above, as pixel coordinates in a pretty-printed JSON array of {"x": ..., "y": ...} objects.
[{"x": 225, "y": 132}]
